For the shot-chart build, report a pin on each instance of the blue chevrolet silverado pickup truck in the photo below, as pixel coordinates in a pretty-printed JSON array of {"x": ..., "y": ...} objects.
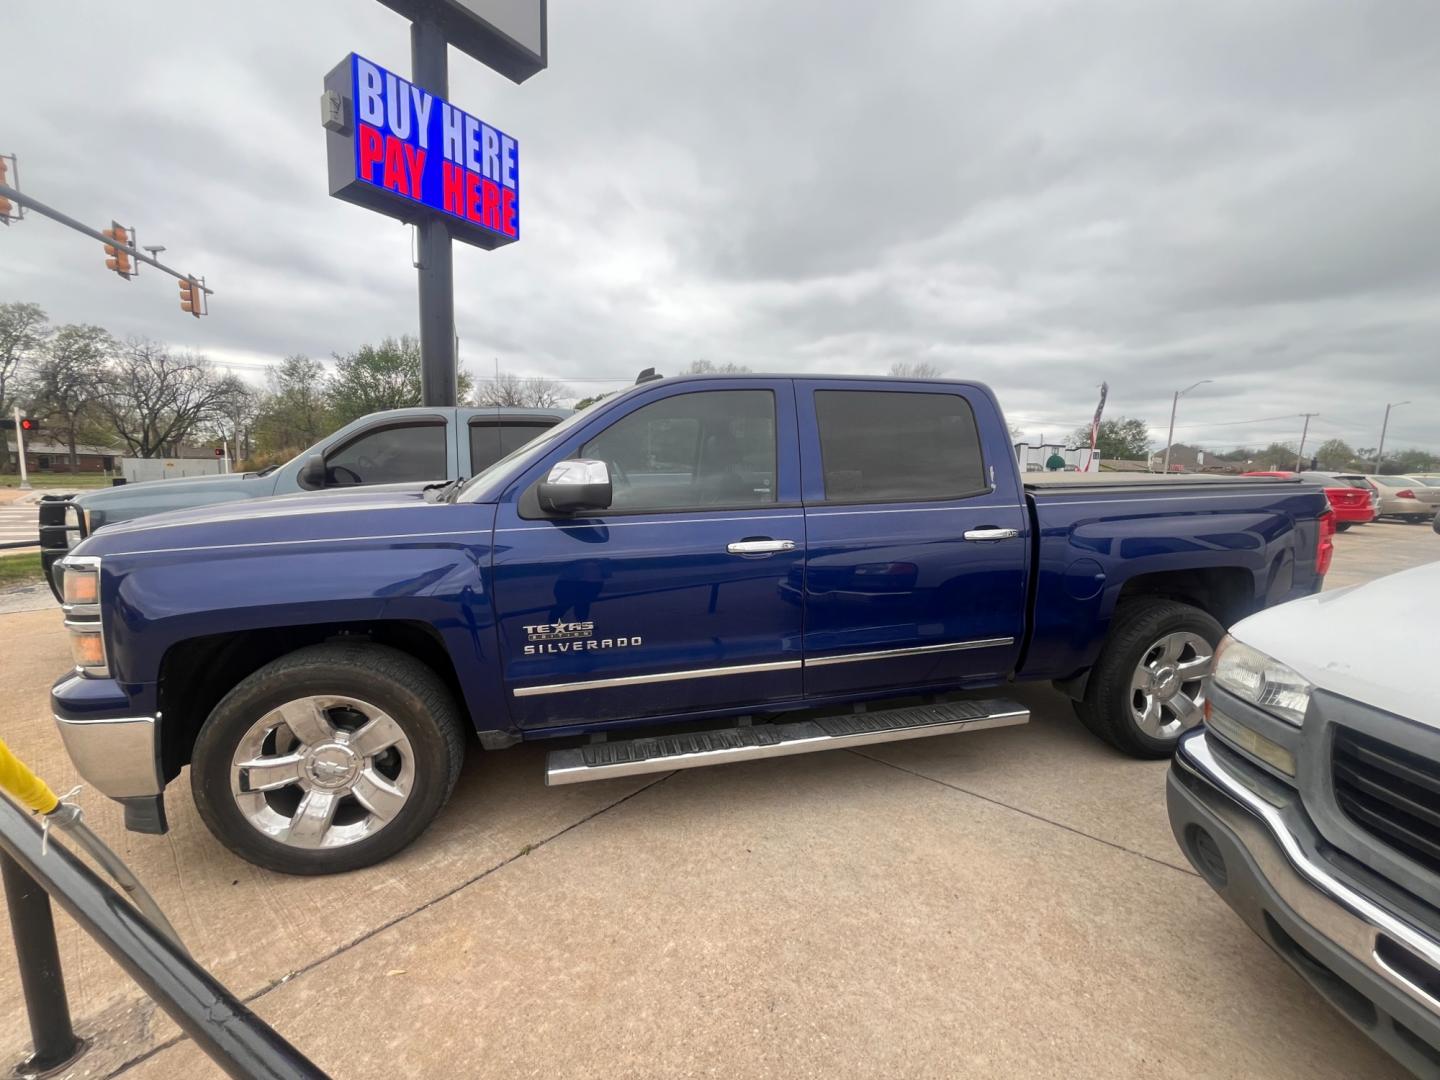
[{"x": 699, "y": 570}]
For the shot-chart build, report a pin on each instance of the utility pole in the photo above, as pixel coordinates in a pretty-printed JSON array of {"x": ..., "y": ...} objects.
[
  {"x": 1174, "y": 405},
  {"x": 1384, "y": 427},
  {"x": 430, "y": 70},
  {"x": 1300, "y": 454}
]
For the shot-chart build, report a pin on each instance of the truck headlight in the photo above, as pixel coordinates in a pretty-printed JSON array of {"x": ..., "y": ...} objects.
[
  {"x": 82, "y": 586},
  {"x": 87, "y": 647},
  {"x": 1262, "y": 680}
]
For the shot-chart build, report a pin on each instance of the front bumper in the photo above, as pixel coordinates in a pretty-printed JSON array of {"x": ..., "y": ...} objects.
[
  {"x": 1256, "y": 849},
  {"x": 119, "y": 756}
]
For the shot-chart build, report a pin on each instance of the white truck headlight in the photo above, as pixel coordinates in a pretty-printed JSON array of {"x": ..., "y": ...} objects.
[{"x": 1262, "y": 680}]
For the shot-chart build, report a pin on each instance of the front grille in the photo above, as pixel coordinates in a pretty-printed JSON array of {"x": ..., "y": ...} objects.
[{"x": 1392, "y": 794}]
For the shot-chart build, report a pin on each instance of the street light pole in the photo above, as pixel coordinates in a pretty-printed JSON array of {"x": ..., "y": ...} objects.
[
  {"x": 1380, "y": 450},
  {"x": 1174, "y": 405}
]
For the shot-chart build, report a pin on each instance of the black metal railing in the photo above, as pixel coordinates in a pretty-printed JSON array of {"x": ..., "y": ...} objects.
[{"x": 234, "y": 1038}]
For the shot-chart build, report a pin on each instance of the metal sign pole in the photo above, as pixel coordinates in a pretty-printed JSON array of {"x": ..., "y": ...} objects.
[{"x": 430, "y": 70}]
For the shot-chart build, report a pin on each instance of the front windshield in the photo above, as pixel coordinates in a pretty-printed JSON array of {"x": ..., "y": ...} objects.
[{"x": 547, "y": 436}]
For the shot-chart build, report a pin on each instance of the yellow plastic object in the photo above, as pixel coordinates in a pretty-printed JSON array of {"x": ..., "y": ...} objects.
[{"x": 17, "y": 779}]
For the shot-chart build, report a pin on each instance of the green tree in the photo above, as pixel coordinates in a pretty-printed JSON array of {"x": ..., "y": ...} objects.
[
  {"x": 1123, "y": 437},
  {"x": 586, "y": 402},
  {"x": 376, "y": 377},
  {"x": 1411, "y": 461},
  {"x": 68, "y": 379},
  {"x": 1240, "y": 453},
  {"x": 295, "y": 409},
  {"x": 1277, "y": 456},
  {"x": 1335, "y": 455},
  {"x": 23, "y": 330}
]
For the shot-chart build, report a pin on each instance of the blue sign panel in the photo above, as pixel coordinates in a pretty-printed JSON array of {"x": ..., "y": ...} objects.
[{"x": 403, "y": 151}]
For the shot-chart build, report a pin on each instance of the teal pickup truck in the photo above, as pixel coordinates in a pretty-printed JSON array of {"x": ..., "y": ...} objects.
[{"x": 397, "y": 447}]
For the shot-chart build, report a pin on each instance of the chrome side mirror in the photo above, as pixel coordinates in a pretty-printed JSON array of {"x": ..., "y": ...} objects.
[{"x": 575, "y": 485}]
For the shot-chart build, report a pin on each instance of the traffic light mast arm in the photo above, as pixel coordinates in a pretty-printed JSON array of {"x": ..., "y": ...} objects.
[{"x": 69, "y": 222}]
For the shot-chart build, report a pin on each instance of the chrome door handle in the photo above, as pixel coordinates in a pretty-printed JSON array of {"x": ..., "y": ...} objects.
[
  {"x": 991, "y": 534},
  {"x": 759, "y": 547}
]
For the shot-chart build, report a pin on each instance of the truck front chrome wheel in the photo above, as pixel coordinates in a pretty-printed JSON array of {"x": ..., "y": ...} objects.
[
  {"x": 1167, "y": 692},
  {"x": 323, "y": 771},
  {"x": 329, "y": 758}
]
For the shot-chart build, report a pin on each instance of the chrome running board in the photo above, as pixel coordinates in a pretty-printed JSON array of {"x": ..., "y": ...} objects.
[{"x": 693, "y": 750}]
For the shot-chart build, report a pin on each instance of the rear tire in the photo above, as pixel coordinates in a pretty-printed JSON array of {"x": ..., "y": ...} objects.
[
  {"x": 1342, "y": 526},
  {"x": 329, "y": 759},
  {"x": 1149, "y": 685}
]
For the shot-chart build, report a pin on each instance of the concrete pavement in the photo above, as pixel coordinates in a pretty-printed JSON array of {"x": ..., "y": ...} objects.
[{"x": 1003, "y": 903}]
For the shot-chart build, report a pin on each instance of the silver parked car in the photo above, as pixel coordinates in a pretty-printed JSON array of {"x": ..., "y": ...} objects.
[{"x": 1405, "y": 497}]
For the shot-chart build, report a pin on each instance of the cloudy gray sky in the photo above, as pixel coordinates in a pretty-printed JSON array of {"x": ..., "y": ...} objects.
[{"x": 1041, "y": 195}]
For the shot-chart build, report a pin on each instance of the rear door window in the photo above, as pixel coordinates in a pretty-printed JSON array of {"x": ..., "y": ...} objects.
[
  {"x": 399, "y": 453},
  {"x": 492, "y": 440},
  {"x": 889, "y": 446}
]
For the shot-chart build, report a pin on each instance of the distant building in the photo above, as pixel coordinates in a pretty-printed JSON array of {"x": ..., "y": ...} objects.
[
  {"x": 45, "y": 456},
  {"x": 1182, "y": 459}
]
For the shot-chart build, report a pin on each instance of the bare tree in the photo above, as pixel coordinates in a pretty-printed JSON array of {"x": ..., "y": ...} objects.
[
  {"x": 23, "y": 330},
  {"x": 514, "y": 391},
  {"x": 916, "y": 369},
  {"x": 237, "y": 408},
  {"x": 155, "y": 399},
  {"x": 709, "y": 367},
  {"x": 68, "y": 378}
]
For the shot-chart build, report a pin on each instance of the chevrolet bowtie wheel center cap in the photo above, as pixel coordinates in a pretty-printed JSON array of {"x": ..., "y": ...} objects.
[{"x": 331, "y": 766}]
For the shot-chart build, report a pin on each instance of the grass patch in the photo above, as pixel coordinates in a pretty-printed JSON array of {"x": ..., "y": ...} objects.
[
  {"x": 20, "y": 570},
  {"x": 58, "y": 481}
]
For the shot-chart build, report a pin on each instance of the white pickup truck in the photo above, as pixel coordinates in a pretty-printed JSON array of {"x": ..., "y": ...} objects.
[{"x": 1310, "y": 800}]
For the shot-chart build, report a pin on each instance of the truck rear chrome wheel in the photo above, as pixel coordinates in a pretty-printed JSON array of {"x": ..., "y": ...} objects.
[
  {"x": 322, "y": 771},
  {"x": 1167, "y": 692},
  {"x": 328, "y": 759},
  {"x": 1148, "y": 684}
]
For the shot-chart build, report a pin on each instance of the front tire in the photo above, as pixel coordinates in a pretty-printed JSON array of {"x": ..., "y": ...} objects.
[
  {"x": 1149, "y": 685},
  {"x": 329, "y": 759}
]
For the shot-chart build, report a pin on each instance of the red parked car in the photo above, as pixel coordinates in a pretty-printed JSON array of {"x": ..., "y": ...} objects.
[{"x": 1352, "y": 499}]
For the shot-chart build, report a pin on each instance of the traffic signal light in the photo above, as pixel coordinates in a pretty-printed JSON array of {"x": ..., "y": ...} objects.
[
  {"x": 7, "y": 208},
  {"x": 117, "y": 259},
  {"x": 26, "y": 424},
  {"x": 192, "y": 296}
]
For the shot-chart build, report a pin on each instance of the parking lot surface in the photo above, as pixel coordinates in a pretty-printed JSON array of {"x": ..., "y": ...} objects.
[{"x": 1003, "y": 903}]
